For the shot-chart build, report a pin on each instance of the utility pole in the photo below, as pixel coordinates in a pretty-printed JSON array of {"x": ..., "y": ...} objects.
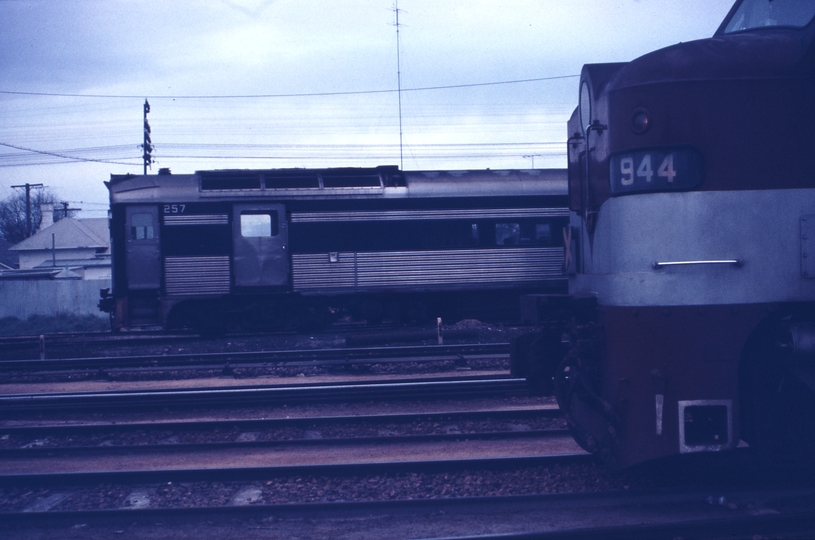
[
  {"x": 65, "y": 208},
  {"x": 28, "y": 188},
  {"x": 147, "y": 146},
  {"x": 533, "y": 156}
]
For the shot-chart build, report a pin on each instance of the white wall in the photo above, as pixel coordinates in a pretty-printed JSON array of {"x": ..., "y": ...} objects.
[
  {"x": 31, "y": 258},
  {"x": 23, "y": 298}
]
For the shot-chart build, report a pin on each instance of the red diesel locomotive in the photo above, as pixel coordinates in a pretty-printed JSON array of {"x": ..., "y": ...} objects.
[{"x": 689, "y": 324}]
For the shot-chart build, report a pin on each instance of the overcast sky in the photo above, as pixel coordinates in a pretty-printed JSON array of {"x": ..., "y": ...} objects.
[{"x": 304, "y": 83}]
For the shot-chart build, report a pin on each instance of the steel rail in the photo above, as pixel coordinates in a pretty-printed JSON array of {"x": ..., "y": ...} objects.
[
  {"x": 361, "y": 335},
  {"x": 269, "y": 424},
  {"x": 300, "y": 357},
  {"x": 75, "y": 451},
  {"x": 251, "y": 474},
  {"x": 798, "y": 524},
  {"x": 349, "y": 391},
  {"x": 788, "y": 523},
  {"x": 85, "y": 339},
  {"x": 278, "y": 423}
]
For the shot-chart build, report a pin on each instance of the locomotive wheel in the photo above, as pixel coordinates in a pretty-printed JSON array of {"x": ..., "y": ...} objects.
[
  {"x": 776, "y": 405},
  {"x": 590, "y": 420}
]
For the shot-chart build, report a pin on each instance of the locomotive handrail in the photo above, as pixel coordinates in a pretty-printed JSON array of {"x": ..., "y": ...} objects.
[{"x": 734, "y": 262}]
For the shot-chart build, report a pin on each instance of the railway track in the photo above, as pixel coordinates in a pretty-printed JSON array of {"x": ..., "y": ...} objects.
[
  {"x": 65, "y": 345},
  {"x": 460, "y": 386},
  {"x": 248, "y": 505},
  {"x": 187, "y": 436},
  {"x": 277, "y": 358},
  {"x": 38, "y": 344},
  {"x": 39, "y": 478},
  {"x": 114, "y": 477},
  {"x": 471, "y": 475}
]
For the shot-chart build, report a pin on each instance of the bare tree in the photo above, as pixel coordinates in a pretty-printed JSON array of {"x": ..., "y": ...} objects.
[{"x": 13, "y": 218}]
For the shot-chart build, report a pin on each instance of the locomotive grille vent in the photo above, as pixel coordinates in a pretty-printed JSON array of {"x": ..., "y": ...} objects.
[
  {"x": 200, "y": 219},
  {"x": 351, "y": 180},
  {"x": 256, "y": 180},
  {"x": 219, "y": 181},
  {"x": 431, "y": 269},
  {"x": 303, "y": 181},
  {"x": 196, "y": 275}
]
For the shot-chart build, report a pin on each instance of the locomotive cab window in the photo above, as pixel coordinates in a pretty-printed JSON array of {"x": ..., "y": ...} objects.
[
  {"x": 753, "y": 14},
  {"x": 141, "y": 227},
  {"x": 255, "y": 225}
]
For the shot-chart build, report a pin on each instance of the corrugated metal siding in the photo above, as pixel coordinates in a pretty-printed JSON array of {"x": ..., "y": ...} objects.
[
  {"x": 401, "y": 215},
  {"x": 314, "y": 272},
  {"x": 410, "y": 269},
  {"x": 196, "y": 275}
]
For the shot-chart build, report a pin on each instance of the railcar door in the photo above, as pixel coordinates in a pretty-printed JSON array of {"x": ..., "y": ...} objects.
[
  {"x": 143, "y": 259},
  {"x": 259, "y": 245}
]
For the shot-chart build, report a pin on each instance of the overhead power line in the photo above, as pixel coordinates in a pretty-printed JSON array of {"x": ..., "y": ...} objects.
[
  {"x": 63, "y": 156},
  {"x": 303, "y": 94}
]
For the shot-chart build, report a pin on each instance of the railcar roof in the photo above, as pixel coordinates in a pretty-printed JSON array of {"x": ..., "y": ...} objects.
[{"x": 335, "y": 183}]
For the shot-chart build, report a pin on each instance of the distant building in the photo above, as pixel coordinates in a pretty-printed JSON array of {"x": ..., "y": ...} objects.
[
  {"x": 68, "y": 249},
  {"x": 61, "y": 269}
]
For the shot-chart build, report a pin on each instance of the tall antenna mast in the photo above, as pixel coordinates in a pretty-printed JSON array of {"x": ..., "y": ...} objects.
[{"x": 399, "y": 84}]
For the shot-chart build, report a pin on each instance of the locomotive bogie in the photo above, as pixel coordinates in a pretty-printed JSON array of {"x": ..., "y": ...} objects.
[{"x": 670, "y": 377}]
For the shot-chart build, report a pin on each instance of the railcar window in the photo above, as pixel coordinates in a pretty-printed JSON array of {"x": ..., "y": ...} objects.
[
  {"x": 543, "y": 233},
  {"x": 255, "y": 225},
  {"x": 753, "y": 14},
  {"x": 507, "y": 234},
  {"x": 141, "y": 226}
]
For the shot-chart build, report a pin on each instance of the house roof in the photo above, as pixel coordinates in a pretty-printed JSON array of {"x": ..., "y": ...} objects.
[
  {"x": 103, "y": 261},
  {"x": 37, "y": 273},
  {"x": 69, "y": 233}
]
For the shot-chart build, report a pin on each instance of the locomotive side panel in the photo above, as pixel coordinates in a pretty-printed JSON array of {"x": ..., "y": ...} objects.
[
  {"x": 425, "y": 250},
  {"x": 196, "y": 247}
]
